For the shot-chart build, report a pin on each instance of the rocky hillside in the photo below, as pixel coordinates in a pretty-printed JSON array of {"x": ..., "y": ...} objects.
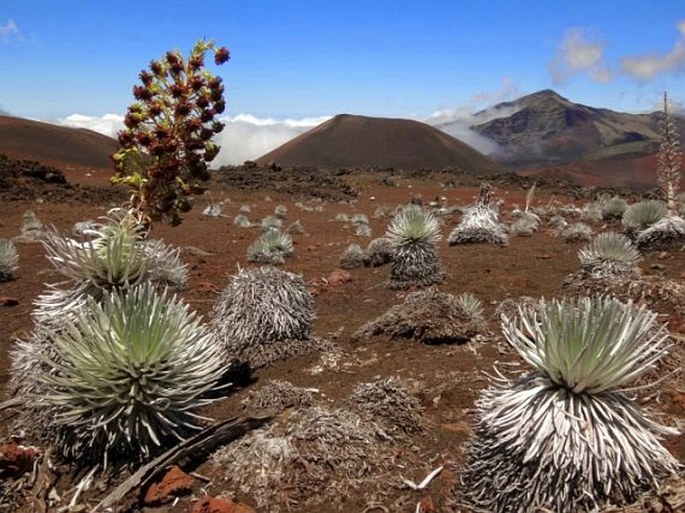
[{"x": 545, "y": 129}]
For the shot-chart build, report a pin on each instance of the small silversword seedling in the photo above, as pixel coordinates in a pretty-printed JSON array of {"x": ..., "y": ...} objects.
[{"x": 352, "y": 257}]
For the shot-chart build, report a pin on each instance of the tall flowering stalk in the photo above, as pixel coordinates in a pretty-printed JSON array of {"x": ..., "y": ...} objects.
[
  {"x": 167, "y": 143},
  {"x": 669, "y": 160}
]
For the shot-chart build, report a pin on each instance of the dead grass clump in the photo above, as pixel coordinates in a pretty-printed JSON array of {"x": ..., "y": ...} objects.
[
  {"x": 314, "y": 459},
  {"x": 391, "y": 403},
  {"x": 670, "y": 497},
  {"x": 265, "y": 315},
  {"x": 277, "y": 395},
  {"x": 667, "y": 233},
  {"x": 378, "y": 252},
  {"x": 508, "y": 307},
  {"x": 430, "y": 316},
  {"x": 352, "y": 257},
  {"x": 658, "y": 292},
  {"x": 480, "y": 223}
]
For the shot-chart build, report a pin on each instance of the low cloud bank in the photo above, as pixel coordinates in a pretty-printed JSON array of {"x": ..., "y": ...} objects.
[
  {"x": 458, "y": 121},
  {"x": 245, "y": 137}
]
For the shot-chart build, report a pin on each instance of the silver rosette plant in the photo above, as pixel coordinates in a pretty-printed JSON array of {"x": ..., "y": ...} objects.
[
  {"x": 480, "y": 223},
  {"x": 641, "y": 215},
  {"x": 125, "y": 377},
  {"x": 610, "y": 254},
  {"x": 272, "y": 247},
  {"x": 114, "y": 255},
  {"x": 117, "y": 255},
  {"x": 566, "y": 437},
  {"x": 9, "y": 260},
  {"x": 413, "y": 234}
]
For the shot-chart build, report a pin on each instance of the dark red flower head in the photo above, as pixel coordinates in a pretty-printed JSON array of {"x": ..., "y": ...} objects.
[
  {"x": 221, "y": 55},
  {"x": 183, "y": 109},
  {"x": 196, "y": 61},
  {"x": 125, "y": 138},
  {"x": 206, "y": 134},
  {"x": 157, "y": 68},
  {"x": 219, "y": 106},
  {"x": 145, "y": 78},
  {"x": 155, "y": 109},
  {"x": 176, "y": 90},
  {"x": 141, "y": 93},
  {"x": 144, "y": 138},
  {"x": 196, "y": 82}
]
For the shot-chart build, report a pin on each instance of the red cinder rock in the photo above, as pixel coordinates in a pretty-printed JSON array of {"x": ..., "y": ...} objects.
[
  {"x": 8, "y": 301},
  {"x": 16, "y": 460},
  {"x": 338, "y": 277},
  {"x": 174, "y": 483}
]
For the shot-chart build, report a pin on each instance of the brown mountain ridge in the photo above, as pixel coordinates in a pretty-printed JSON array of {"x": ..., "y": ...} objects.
[
  {"x": 55, "y": 145},
  {"x": 360, "y": 141}
]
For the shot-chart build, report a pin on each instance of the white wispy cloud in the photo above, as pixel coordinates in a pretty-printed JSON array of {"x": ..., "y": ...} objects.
[
  {"x": 647, "y": 66},
  {"x": 9, "y": 30},
  {"x": 580, "y": 52},
  {"x": 245, "y": 137},
  {"x": 109, "y": 124},
  {"x": 457, "y": 121}
]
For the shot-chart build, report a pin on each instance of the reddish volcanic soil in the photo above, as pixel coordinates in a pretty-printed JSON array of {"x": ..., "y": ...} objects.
[
  {"x": 448, "y": 377},
  {"x": 635, "y": 172}
]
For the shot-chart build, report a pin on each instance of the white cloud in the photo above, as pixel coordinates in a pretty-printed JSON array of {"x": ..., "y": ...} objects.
[
  {"x": 579, "y": 52},
  {"x": 647, "y": 66},
  {"x": 245, "y": 137},
  {"x": 458, "y": 121},
  {"x": 109, "y": 124},
  {"x": 8, "y": 30}
]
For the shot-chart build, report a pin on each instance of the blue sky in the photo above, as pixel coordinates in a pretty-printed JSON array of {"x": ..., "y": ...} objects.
[{"x": 304, "y": 60}]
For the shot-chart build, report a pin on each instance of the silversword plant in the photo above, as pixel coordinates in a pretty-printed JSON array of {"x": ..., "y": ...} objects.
[
  {"x": 126, "y": 376},
  {"x": 566, "y": 437},
  {"x": 9, "y": 260},
  {"x": 413, "y": 234},
  {"x": 610, "y": 254}
]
